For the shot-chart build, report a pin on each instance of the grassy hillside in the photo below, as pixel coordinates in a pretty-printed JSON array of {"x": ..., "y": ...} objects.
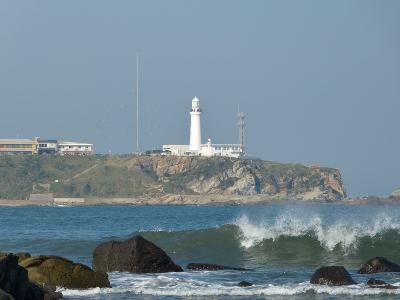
[
  {"x": 69, "y": 176},
  {"x": 19, "y": 173}
]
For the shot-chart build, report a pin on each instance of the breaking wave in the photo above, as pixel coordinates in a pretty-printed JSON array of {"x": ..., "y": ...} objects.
[
  {"x": 287, "y": 239},
  {"x": 345, "y": 235}
]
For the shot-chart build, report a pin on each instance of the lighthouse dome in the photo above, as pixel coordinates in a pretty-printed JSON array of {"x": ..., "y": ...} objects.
[{"x": 196, "y": 104}]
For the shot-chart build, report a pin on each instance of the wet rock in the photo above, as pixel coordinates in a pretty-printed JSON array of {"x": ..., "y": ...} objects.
[
  {"x": 52, "y": 295},
  {"x": 51, "y": 271},
  {"x": 211, "y": 267},
  {"x": 13, "y": 278},
  {"x": 374, "y": 281},
  {"x": 5, "y": 296},
  {"x": 390, "y": 287},
  {"x": 35, "y": 292},
  {"x": 136, "y": 255},
  {"x": 378, "y": 265},
  {"x": 14, "y": 281},
  {"x": 244, "y": 284},
  {"x": 332, "y": 275}
]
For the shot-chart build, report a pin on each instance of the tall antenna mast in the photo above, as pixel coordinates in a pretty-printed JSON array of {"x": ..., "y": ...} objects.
[
  {"x": 242, "y": 125},
  {"x": 137, "y": 103}
]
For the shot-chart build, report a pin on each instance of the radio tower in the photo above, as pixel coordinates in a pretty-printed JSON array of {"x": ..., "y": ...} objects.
[{"x": 242, "y": 125}]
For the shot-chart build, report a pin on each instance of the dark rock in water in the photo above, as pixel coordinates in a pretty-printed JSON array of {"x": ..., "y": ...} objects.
[
  {"x": 378, "y": 265},
  {"x": 5, "y": 296},
  {"x": 13, "y": 278},
  {"x": 33, "y": 291},
  {"x": 244, "y": 284},
  {"x": 211, "y": 267},
  {"x": 136, "y": 255},
  {"x": 58, "y": 271},
  {"x": 390, "y": 287},
  {"x": 374, "y": 281},
  {"x": 332, "y": 275},
  {"x": 37, "y": 292}
]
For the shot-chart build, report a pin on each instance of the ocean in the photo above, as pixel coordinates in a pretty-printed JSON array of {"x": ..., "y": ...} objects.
[{"x": 282, "y": 243}]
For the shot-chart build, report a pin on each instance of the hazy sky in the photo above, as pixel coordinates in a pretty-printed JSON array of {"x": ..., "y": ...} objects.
[{"x": 319, "y": 81}]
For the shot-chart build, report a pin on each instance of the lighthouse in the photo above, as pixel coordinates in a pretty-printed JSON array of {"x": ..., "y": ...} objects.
[
  {"x": 195, "y": 126},
  {"x": 195, "y": 148}
]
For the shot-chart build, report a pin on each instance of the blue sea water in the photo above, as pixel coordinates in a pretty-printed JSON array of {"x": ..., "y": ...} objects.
[{"x": 282, "y": 243}]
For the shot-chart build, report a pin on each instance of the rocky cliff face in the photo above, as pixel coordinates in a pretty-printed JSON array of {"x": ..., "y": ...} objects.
[{"x": 211, "y": 176}]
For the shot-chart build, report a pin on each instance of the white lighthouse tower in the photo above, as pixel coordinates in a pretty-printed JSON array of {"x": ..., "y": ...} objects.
[{"x": 195, "y": 126}]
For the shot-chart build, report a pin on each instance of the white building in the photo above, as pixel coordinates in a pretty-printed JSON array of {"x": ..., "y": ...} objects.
[
  {"x": 74, "y": 148},
  {"x": 195, "y": 147},
  {"x": 179, "y": 150},
  {"x": 47, "y": 146}
]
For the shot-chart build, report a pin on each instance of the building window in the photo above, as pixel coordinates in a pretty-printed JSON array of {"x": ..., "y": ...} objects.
[{"x": 16, "y": 146}]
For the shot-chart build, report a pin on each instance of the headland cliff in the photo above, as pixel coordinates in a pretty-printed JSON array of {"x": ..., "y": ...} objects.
[{"x": 164, "y": 179}]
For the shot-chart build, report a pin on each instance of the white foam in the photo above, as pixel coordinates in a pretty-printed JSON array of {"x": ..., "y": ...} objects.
[
  {"x": 156, "y": 228},
  {"x": 184, "y": 285},
  {"x": 342, "y": 233}
]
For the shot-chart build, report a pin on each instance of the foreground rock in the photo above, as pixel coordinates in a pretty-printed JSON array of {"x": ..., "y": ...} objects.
[
  {"x": 211, "y": 267},
  {"x": 376, "y": 283},
  {"x": 15, "y": 284},
  {"x": 52, "y": 271},
  {"x": 332, "y": 275},
  {"x": 136, "y": 255},
  {"x": 245, "y": 284},
  {"x": 378, "y": 265},
  {"x": 5, "y": 296},
  {"x": 13, "y": 278}
]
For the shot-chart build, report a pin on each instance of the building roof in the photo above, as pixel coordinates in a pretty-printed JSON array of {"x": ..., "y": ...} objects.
[
  {"x": 47, "y": 141},
  {"x": 16, "y": 140},
  {"x": 67, "y": 143},
  {"x": 224, "y": 145}
]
